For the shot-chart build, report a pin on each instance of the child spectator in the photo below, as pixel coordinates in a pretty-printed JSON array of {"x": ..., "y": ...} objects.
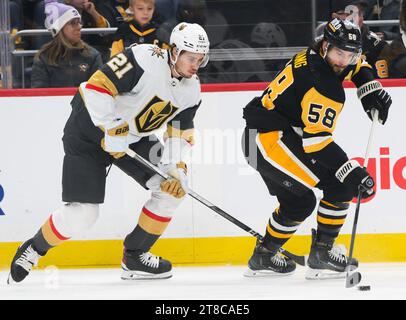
[
  {"x": 139, "y": 29},
  {"x": 66, "y": 61}
]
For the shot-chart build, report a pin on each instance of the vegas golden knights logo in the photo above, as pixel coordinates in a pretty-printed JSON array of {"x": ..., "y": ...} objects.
[{"x": 154, "y": 115}]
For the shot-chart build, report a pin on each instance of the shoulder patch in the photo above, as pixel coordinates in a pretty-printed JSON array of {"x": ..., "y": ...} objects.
[{"x": 156, "y": 51}]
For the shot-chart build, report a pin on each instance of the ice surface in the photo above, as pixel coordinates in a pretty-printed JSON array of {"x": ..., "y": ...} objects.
[{"x": 387, "y": 281}]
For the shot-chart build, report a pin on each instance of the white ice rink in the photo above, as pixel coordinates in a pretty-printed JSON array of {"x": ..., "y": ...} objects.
[{"x": 387, "y": 281}]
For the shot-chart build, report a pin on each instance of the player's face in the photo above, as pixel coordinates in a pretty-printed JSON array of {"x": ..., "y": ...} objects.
[
  {"x": 189, "y": 63},
  {"x": 71, "y": 31},
  {"x": 339, "y": 59},
  {"x": 142, "y": 11}
]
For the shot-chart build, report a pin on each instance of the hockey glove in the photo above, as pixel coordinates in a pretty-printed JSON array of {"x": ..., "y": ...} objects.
[
  {"x": 356, "y": 178},
  {"x": 178, "y": 185},
  {"x": 373, "y": 96},
  {"x": 115, "y": 138}
]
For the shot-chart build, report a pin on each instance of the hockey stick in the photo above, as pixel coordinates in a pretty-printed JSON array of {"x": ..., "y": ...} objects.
[
  {"x": 298, "y": 259},
  {"x": 354, "y": 278}
]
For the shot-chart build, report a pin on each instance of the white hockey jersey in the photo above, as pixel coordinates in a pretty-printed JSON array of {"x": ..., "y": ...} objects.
[{"x": 137, "y": 87}]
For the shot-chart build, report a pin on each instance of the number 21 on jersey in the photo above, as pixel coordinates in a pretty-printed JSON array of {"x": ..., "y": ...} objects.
[{"x": 120, "y": 65}]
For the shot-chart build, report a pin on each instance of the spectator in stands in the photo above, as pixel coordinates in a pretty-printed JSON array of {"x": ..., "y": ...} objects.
[
  {"x": 16, "y": 14},
  {"x": 91, "y": 18},
  {"x": 387, "y": 10},
  {"x": 66, "y": 61},
  {"x": 373, "y": 48},
  {"x": 140, "y": 29},
  {"x": 397, "y": 59},
  {"x": 115, "y": 11},
  {"x": 16, "y": 20}
]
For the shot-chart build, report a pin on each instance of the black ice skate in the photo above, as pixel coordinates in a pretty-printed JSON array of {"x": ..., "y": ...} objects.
[
  {"x": 264, "y": 263},
  {"x": 25, "y": 258},
  {"x": 327, "y": 261},
  {"x": 139, "y": 265}
]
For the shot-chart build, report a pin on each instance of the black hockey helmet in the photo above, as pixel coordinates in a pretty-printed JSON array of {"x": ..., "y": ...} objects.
[{"x": 344, "y": 35}]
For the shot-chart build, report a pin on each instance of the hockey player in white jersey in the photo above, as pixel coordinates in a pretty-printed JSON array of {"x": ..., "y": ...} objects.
[{"x": 123, "y": 104}]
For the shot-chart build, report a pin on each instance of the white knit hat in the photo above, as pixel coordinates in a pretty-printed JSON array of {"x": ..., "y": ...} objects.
[{"x": 57, "y": 15}]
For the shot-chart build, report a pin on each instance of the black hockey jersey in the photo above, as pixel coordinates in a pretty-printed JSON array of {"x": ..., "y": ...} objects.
[
  {"x": 375, "y": 50},
  {"x": 307, "y": 96},
  {"x": 130, "y": 32}
]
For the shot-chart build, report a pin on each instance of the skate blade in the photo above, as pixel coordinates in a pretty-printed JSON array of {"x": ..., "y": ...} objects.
[
  {"x": 249, "y": 273},
  {"x": 139, "y": 275},
  {"x": 323, "y": 274}
]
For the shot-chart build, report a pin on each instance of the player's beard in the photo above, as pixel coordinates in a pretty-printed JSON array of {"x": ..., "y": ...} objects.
[{"x": 336, "y": 68}]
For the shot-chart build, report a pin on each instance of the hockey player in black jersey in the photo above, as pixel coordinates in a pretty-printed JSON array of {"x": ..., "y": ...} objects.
[
  {"x": 375, "y": 50},
  {"x": 289, "y": 140}
]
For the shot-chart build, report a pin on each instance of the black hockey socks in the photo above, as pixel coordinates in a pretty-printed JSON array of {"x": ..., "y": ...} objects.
[
  {"x": 47, "y": 237},
  {"x": 279, "y": 230},
  {"x": 150, "y": 227},
  {"x": 331, "y": 217}
]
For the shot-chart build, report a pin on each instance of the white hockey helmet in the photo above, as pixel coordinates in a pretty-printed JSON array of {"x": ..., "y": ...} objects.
[{"x": 190, "y": 37}]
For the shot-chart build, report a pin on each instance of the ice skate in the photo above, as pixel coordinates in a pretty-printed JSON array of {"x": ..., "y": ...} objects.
[
  {"x": 327, "y": 261},
  {"x": 139, "y": 265},
  {"x": 266, "y": 263},
  {"x": 25, "y": 258}
]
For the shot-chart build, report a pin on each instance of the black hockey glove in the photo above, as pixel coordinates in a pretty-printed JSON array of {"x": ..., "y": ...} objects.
[
  {"x": 356, "y": 178},
  {"x": 372, "y": 96}
]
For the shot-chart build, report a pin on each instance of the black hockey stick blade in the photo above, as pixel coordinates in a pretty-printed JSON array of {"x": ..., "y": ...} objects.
[{"x": 352, "y": 279}]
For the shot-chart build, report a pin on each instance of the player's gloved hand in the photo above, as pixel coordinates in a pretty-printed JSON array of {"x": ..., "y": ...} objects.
[
  {"x": 178, "y": 185},
  {"x": 373, "y": 96},
  {"x": 357, "y": 178},
  {"x": 115, "y": 138}
]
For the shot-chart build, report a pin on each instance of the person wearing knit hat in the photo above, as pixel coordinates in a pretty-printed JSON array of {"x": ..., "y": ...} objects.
[
  {"x": 58, "y": 15},
  {"x": 67, "y": 60}
]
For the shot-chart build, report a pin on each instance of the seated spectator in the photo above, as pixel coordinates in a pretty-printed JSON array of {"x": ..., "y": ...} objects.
[
  {"x": 91, "y": 18},
  {"x": 140, "y": 29},
  {"x": 115, "y": 11},
  {"x": 16, "y": 20},
  {"x": 397, "y": 60},
  {"x": 374, "y": 49},
  {"x": 388, "y": 10},
  {"x": 66, "y": 61}
]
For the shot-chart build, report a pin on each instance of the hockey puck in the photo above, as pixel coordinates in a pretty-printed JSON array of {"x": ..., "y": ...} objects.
[{"x": 364, "y": 288}]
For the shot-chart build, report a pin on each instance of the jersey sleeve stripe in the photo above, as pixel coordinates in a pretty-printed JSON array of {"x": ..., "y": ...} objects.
[
  {"x": 317, "y": 146},
  {"x": 315, "y": 140},
  {"x": 93, "y": 87},
  {"x": 100, "y": 80}
]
